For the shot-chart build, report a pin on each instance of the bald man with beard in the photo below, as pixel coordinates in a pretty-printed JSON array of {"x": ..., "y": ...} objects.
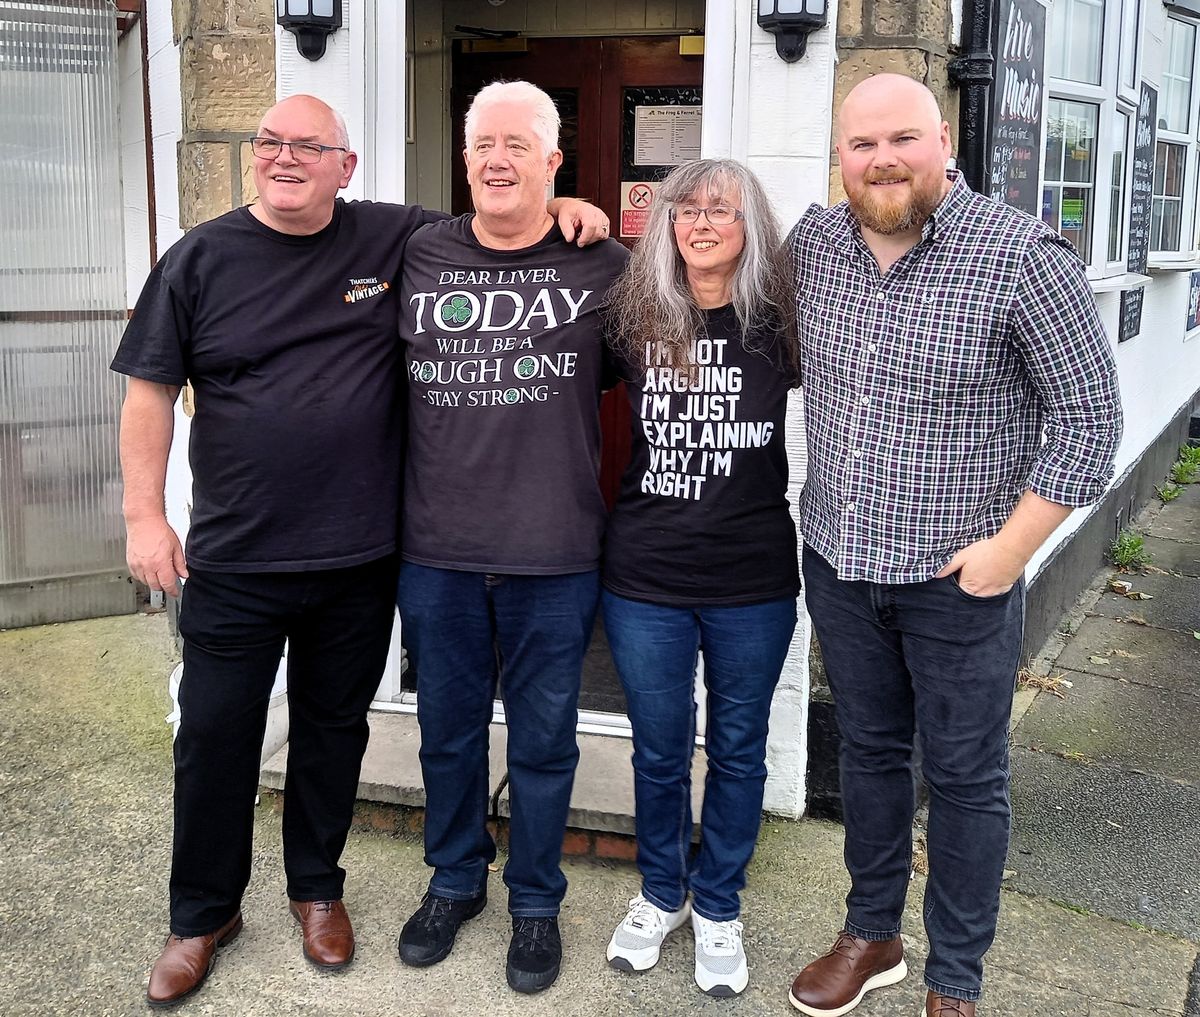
[
  {"x": 282, "y": 315},
  {"x": 960, "y": 401}
]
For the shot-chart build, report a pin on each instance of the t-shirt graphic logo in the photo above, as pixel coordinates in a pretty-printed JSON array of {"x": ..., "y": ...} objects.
[
  {"x": 363, "y": 289},
  {"x": 457, "y": 311},
  {"x": 427, "y": 372},
  {"x": 526, "y": 367},
  {"x": 511, "y": 395}
]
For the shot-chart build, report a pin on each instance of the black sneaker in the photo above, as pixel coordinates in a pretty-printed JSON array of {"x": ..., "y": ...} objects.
[
  {"x": 428, "y": 936},
  {"x": 534, "y": 955}
]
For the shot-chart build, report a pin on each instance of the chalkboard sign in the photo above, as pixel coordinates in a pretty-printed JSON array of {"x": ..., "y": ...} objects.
[
  {"x": 1141, "y": 193},
  {"x": 1017, "y": 105}
]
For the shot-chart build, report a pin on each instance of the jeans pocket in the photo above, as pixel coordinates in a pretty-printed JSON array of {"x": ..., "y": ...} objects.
[{"x": 967, "y": 595}]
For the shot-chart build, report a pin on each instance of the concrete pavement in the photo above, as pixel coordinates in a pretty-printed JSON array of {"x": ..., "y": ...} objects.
[{"x": 1101, "y": 914}]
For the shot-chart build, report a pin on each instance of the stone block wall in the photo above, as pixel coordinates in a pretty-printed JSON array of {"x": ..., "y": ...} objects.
[
  {"x": 910, "y": 37},
  {"x": 227, "y": 81}
]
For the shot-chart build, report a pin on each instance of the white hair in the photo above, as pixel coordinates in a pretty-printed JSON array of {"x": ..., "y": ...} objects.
[
  {"x": 545, "y": 114},
  {"x": 340, "y": 134}
]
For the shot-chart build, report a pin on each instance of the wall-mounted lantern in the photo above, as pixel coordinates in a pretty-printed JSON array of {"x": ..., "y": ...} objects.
[
  {"x": 790, "y": 21},
  {"x": 312, "y": 22}
]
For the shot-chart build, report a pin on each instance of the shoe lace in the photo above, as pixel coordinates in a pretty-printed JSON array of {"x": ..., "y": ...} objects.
[
  {"x": 720, "y": 937},
  {"x": 323, "y": 905},
  {"x": 644, "y": 916},
  {"x": 434, "y": 908},
  {"x": 947, "y": 1006},
  {"x": 845, "y": 945},
  {"x": 528, "y": 932}
]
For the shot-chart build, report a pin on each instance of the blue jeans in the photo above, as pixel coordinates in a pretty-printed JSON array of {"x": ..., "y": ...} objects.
[
  {"x": 655, "y": 649},
  {"x": 466, "y": 631},
  {"x": 932, "y": 659}
]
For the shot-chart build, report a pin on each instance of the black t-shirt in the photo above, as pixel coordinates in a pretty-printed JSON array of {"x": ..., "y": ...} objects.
[
  {"x": 503, "y": 352},
  {"x": 703, "y": 516},
  {"x": 290, "y": 345}
]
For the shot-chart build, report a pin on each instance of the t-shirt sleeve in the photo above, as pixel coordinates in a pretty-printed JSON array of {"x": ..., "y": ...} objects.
[
  {"x": 428, "y": 215},
  {"x": 157, "y": 336}
]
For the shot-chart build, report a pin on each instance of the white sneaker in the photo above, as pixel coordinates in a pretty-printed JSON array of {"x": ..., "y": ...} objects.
[
  {"x": 636, "y": 942},
  {"x": 720, "y": 959}
]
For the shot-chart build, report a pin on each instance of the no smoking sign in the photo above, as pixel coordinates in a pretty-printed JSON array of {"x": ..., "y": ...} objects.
[{"x": 636, "y": 198}]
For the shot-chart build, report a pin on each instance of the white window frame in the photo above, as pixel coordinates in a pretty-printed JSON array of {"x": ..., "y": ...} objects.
[
  {"x": 1188, "y": 239},
  {"x": 1110, "y": 97}
]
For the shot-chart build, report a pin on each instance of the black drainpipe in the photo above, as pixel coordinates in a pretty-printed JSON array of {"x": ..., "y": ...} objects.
[{"x": 974, "y": 73}]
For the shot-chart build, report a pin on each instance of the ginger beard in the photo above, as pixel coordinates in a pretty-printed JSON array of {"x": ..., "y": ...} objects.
[{"x": 888, "y": 209}]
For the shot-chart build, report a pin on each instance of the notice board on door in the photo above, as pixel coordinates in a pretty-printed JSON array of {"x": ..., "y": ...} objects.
[
  {"x": 660, "y": 129},
  {"x": 1141, "y": 194}
]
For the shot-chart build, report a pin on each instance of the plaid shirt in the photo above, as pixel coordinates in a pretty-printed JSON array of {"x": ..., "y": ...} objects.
[{"x": 936, "y": 394}]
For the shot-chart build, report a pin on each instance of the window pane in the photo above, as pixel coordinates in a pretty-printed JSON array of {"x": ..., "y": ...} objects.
[
  {"x": 1074, "y": 40},
  {"x": 1166, "y": 219},
  {"x": 1116, "y": 206},
  {"x": 1071, "y": 171},
  {"x": 1129, "y": 39},
  {"x": 1177, "y": 76}
]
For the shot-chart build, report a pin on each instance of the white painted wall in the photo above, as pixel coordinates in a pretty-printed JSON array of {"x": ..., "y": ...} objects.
[
  {"x": 131, "y": 130},
  {"x": 166, "y": 128},
  {"x": 775, "y": 117},
  {"x": 1159, "y": 370}
]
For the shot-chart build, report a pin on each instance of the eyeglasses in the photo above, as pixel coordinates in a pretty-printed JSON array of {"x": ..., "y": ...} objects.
[
  {"x": 717, "y": 215},
  {"x": 302, "y": 151}
]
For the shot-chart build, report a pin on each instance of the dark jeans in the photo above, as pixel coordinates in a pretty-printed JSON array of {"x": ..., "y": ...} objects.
[
  {"x": 655, "y": 649},
  {"x": 465, "y": 631},
  {"x": 338, "y": 626},
  {"x": 932, "y": 656}
]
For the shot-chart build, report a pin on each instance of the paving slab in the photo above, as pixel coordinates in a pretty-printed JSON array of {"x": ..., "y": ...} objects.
[
  {"x": 1175, "y": 602},
  {"x": 1122, "y": 844},
  {"x": 1174, "y": 555},
  {"x": 1118, "y": 724},
  {"x": 1138, "y": 653},
  {"x": 1179, "y": 519},
  {"x": 85, "y": 853}
]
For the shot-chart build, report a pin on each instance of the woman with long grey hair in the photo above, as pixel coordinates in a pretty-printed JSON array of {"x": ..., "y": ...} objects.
[{"x": 701, "y": 549}]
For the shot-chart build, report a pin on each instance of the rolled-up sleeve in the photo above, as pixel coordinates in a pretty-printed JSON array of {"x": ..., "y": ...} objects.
[{"x": 1070, "y": 362}]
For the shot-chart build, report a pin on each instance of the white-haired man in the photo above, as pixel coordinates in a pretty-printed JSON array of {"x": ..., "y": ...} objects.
[
  {"x": 502, "y": 523},
  {"x": 282, "y": 315}
]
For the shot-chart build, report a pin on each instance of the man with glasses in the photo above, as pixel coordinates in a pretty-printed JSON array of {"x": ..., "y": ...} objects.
[{"x": 282, "y": 316}]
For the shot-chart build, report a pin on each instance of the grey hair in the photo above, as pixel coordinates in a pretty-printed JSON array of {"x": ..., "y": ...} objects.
[
  {"x": 340, "y": 134},
  {"x": 546, "y": 121},
  {"x": 652, "y": 298}
]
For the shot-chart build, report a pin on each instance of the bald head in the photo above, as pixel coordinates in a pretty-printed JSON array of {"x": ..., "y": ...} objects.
[
  {"x": 893, "y": 148},
  {"x": 894, "y": 96},
  {"x": 323, "y": 119}
]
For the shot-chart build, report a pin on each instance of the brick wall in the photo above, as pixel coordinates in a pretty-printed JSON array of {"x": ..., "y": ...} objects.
[
  {"x": 911, "y": 37},
  {"x": 227, "y": 82}
]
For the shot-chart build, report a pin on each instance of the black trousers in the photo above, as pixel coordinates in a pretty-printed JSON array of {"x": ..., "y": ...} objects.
[{"x": 338, "y": 626}]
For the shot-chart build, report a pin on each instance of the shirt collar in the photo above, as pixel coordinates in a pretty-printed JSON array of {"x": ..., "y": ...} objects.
[{"x": 949, "y": 211}]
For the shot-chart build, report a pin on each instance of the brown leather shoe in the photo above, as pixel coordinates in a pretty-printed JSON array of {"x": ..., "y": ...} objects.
[
  {"x": 328, "y": 937},
  {"x": 836, "y": 983},
  {"x": 937, "y": 1005},
  {"x": 185, "y": 962}
]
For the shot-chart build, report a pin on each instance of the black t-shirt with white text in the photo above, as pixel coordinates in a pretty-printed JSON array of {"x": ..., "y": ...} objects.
[
  {"x": 503, "y": 352},
  {"x": 703, "y": 516},
  {"x": 290, "y": 346}
]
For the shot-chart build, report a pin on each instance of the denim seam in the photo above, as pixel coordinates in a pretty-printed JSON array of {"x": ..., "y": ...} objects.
[
  {"x": 534, "y": 912},
  {"x": 659, "y": 903},
  {"x": 454, "y": 894},
  {"x": 858, "y": 932},
  {"x": 970, "y": 995}
]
